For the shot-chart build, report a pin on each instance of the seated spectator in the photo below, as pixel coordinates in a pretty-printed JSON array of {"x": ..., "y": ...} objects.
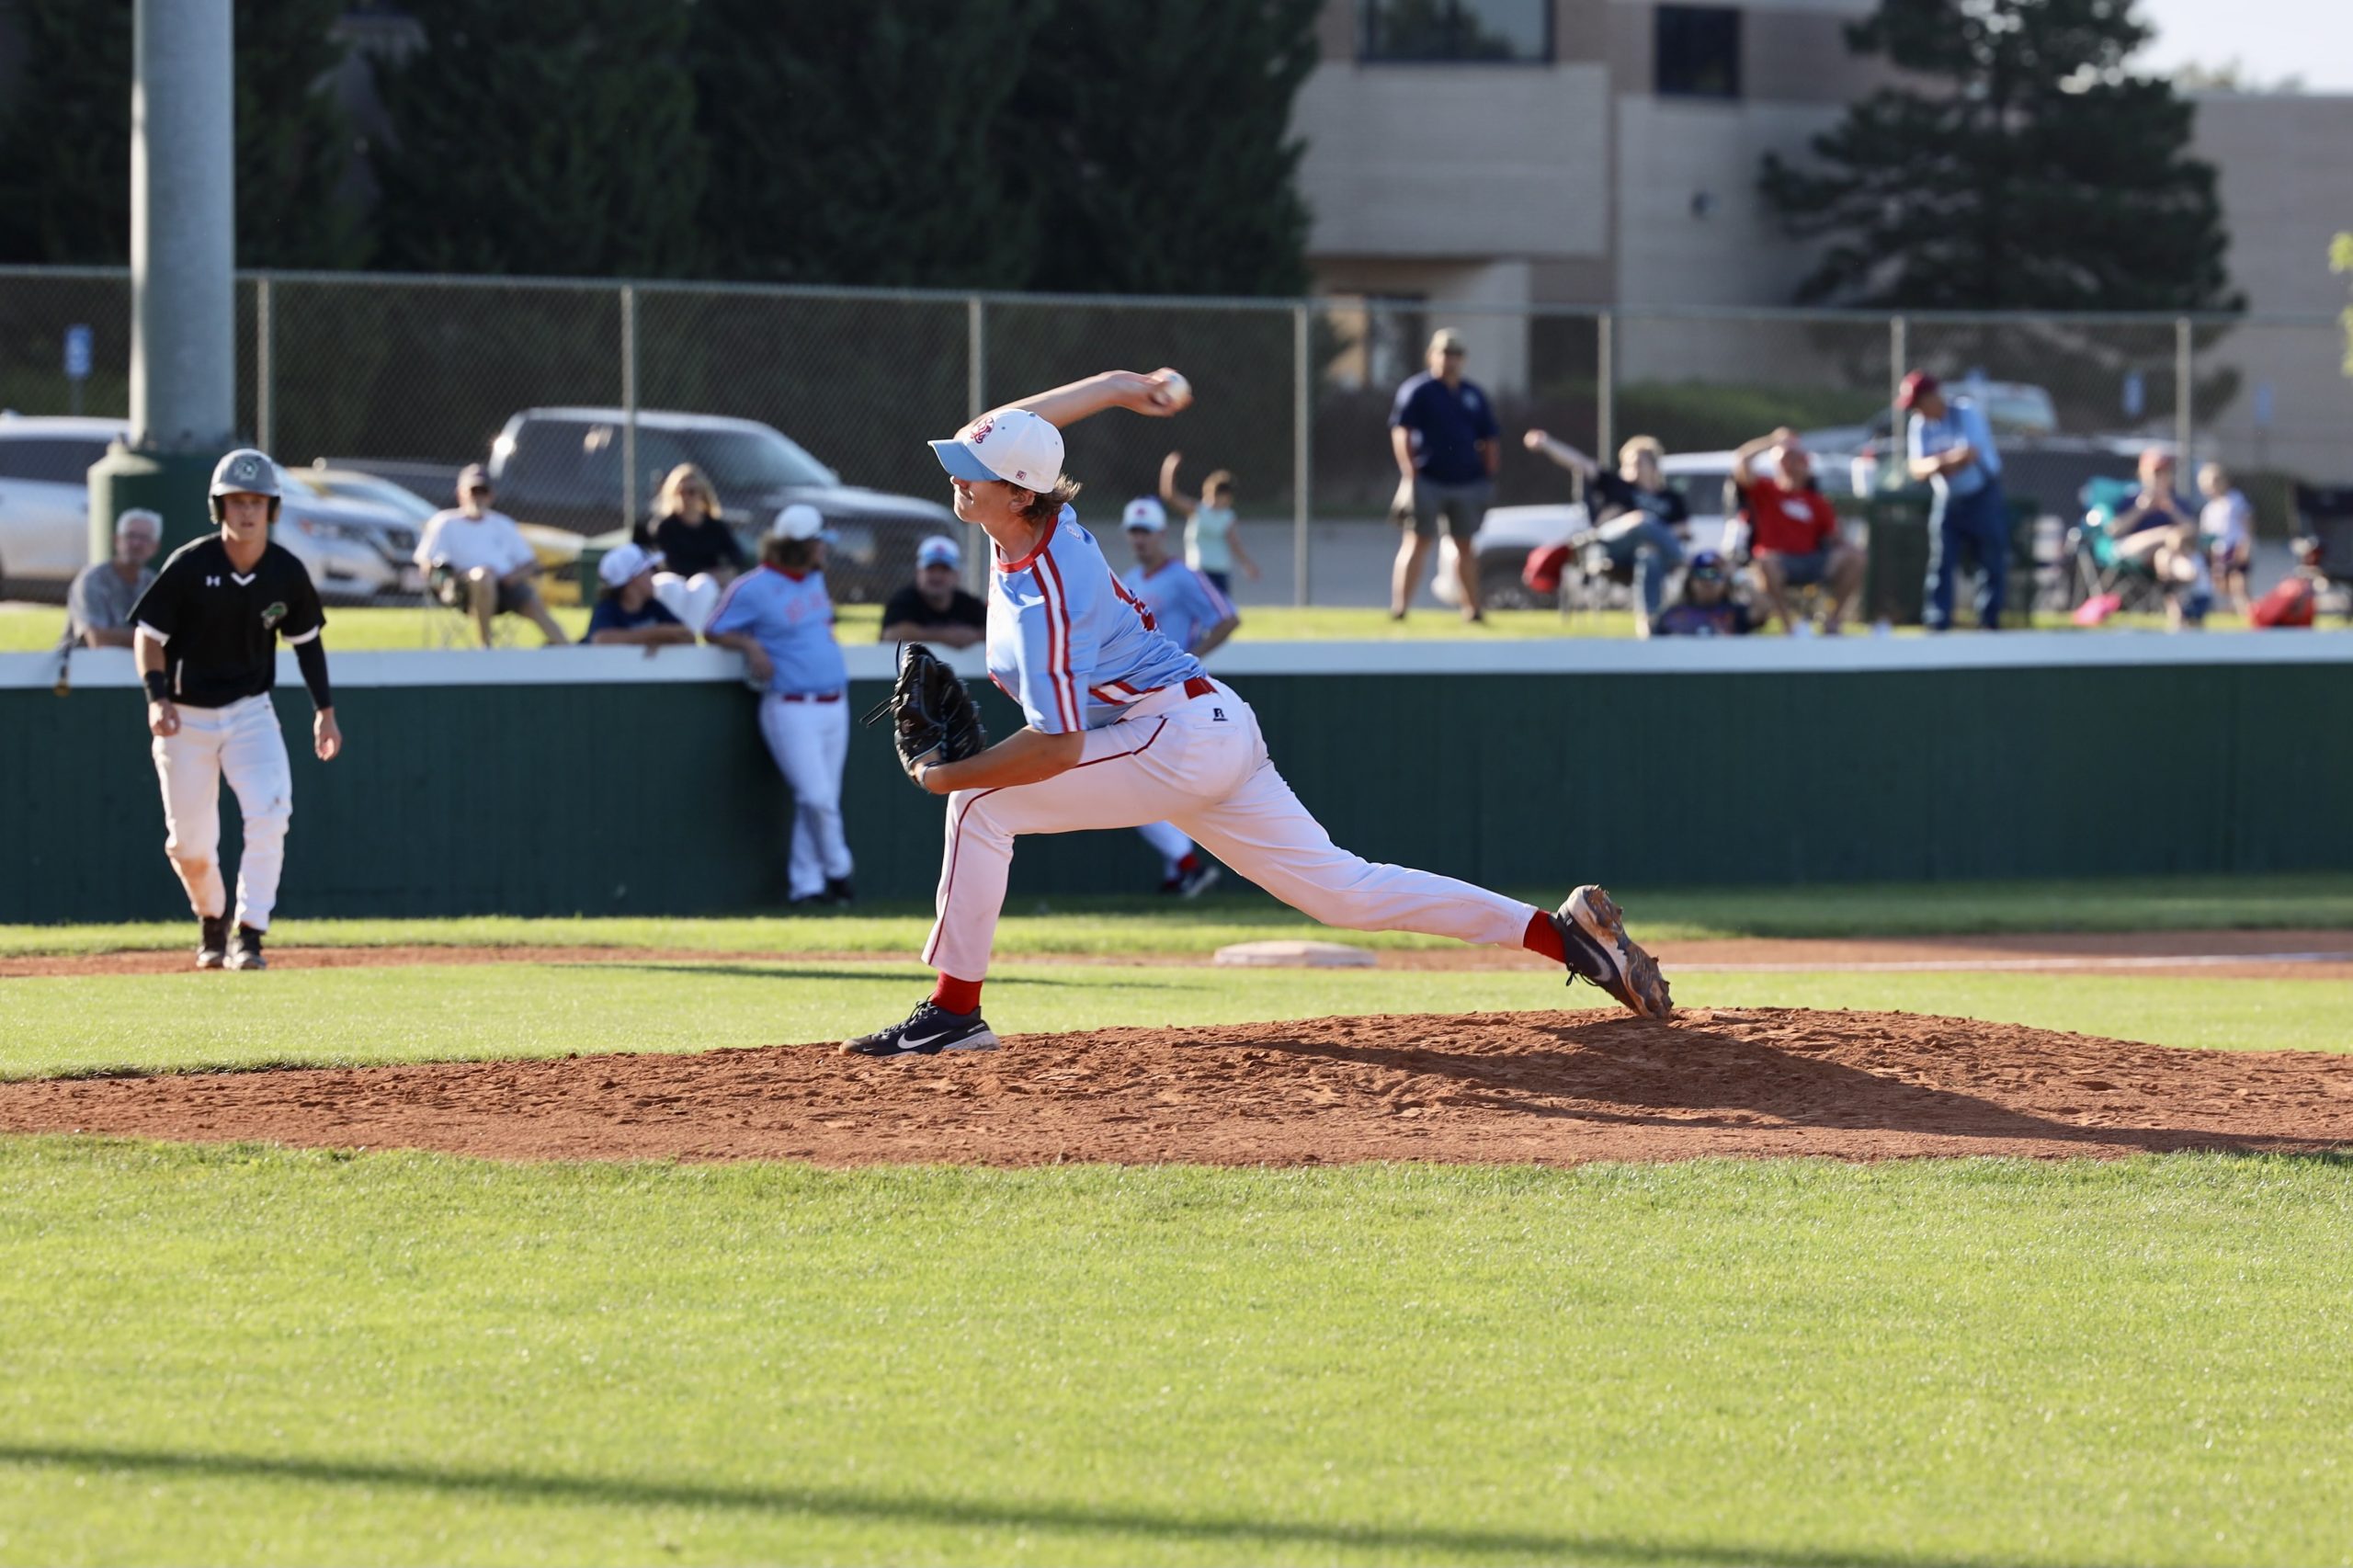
[
  {"x": 477, "y": 563},
  {"x": 98, "y": 606},
  {"x": 1642, "y": 522},
  {"x": 2226, "y": 527},
  {"x": 1706, "y": 608},
  {"x": 699, "y": 551},
  {"x": 935, "y": 608},
  {"x": 627, "y": 613},
  {"x": 2157, "y": 534},
  {"x": 1793, "y": 531}
]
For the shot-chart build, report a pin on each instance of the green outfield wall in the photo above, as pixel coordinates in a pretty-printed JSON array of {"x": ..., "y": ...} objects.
[{"x": 600, "y": 781}]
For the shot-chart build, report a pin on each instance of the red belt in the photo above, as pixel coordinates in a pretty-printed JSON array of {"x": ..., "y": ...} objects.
[
  {"x": 1197, "y": 686},
  {"x": 804, "y": 697}
]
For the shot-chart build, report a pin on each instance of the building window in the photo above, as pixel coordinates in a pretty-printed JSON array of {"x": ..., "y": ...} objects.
[
  {"x": 1505, "y": 30},
  {"x": 1698, "y": 52}
]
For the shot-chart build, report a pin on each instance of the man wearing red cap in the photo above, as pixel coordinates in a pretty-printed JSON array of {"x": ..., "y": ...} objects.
[{"x": 1951, "y": 447}]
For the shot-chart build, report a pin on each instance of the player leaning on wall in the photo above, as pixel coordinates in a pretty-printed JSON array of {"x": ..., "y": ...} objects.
[{"x": 207, "y": 645}]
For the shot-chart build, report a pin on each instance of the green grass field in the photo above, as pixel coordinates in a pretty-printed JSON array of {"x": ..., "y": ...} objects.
[
  {"x": 29, "y": 628},
  {"x": 240, "y": 1354},
  {"x": 1148, "y": 925}
]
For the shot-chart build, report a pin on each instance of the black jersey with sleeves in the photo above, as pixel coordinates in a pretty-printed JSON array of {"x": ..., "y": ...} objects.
[{"x": 220, "y": 627}]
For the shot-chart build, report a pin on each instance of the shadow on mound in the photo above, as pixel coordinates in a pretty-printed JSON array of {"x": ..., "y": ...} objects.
[{"x": 1543, "y": 1087}]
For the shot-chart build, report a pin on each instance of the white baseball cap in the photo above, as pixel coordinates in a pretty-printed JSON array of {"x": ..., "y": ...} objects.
[
  {"x": 938, "y": 551},
  {"x": 626, "y": 560},
  {"x": 799, "y": 520},
  {"x": 1012, "y": 444},
  {"x": 1143, "y": 512}
]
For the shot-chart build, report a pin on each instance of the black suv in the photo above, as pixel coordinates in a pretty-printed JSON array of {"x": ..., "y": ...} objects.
[{"x": 562, "y": 466}]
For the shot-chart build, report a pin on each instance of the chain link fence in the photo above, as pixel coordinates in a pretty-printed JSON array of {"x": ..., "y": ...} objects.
[{"x": 413, "y": 376}]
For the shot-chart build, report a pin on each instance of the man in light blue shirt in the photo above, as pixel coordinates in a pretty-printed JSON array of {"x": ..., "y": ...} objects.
[{"x": 1951, "y": 446}]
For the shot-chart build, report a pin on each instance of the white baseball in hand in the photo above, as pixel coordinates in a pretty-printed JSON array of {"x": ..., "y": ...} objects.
[{"x": 1175, "y": 392}]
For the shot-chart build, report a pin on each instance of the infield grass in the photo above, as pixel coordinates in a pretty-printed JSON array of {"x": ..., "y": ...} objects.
[
  {"x": 238, "y": 1354},
  {"x": 1110, "y": 926},
  {"x": 355, "y": 1017}
]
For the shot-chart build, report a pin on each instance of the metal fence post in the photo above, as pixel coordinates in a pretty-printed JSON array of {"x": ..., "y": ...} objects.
[
  {"x": 1604, "y": 385},
  {"x": 1899, "y": 352},
  {"x": 976, "y": 392},
  {"x": 1302, "y": 410},
  {"x": 2185, "y": 424},
  {"x": 264, "y": 412},
  {"x": 628, "y": 406}
]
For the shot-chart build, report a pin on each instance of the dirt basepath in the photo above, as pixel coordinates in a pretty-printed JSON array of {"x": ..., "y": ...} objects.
[
  {"x": 2273, "y": 955},
  {"x": 1553, "y": 1088}
]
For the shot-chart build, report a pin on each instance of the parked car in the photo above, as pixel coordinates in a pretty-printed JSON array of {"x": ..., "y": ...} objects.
[
  {"x": 352, "y": 548},
  {"x": 1509, "y": 534},
  {"x": 562, "y": 467}
]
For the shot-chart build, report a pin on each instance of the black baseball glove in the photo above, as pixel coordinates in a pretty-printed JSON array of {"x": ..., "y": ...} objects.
[{"x": 934, "y": 719}]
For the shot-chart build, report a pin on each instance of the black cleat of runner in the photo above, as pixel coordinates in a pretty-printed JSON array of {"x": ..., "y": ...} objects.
[
  {"x": 246, "y": 954},
  {"x": 840, "y": 893},
  {"x": 1593, "y": 933},
  {"x": 928, "y": 1030},
  {"x": 212, "y": 947}
]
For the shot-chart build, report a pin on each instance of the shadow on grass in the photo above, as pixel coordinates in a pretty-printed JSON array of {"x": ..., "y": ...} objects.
[{"x": 853, "y": 1502}]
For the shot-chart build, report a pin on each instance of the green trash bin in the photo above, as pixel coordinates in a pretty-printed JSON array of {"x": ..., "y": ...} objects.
[{"x": 1895, "y": 574}]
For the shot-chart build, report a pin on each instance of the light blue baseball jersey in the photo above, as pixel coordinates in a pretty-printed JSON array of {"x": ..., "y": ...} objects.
[
  {"x": 792, "y": 618},
  {"x": 1184, "y": 602},
  {"x": 1964, "y": 421},
  {"x": 1068, "y": 640}
]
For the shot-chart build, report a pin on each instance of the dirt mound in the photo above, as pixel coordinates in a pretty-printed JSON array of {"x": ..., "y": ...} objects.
[{"x": 1547, "y": 1087}]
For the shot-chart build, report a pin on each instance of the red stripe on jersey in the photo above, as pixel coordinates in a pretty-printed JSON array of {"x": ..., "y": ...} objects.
[
  {"x": 1134, "y": 603},
  {"x": 1058, "y": 670}
]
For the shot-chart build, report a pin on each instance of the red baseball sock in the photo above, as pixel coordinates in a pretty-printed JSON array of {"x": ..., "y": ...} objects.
[
  {"x": 1190, "y": 864},
  {"x": 1540, "y": 938},
  {"x": 957, "y": 996}
]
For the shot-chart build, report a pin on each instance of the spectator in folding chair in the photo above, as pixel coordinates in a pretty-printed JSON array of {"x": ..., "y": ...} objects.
[
  {"x": 477, "y": 563},
  {"x": 1636, "y": 517},
  {"x": 2226, "y": 528},
  {"x": 2157, "y": 535},
  {"x": 1793, "y": 540},
  {"x": 699, "y": 553}
]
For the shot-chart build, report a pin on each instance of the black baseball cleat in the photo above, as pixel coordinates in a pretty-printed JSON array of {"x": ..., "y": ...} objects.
[
  {"x": 247, "y": 952},
  {"x": 930, "y": 1029},
  {"x": 839, "y": 892},
  {"x": 212, "y": 948},
  {"x": 1593, "y": 933}
]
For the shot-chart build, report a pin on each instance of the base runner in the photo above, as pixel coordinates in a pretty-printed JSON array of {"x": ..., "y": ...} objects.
[
  {"x": 1126, "y": 728},
  {"x": 207, "y": 646}
]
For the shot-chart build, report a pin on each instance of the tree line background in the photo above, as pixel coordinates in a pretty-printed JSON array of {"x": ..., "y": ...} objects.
[{"x": 1088, "y": 145}]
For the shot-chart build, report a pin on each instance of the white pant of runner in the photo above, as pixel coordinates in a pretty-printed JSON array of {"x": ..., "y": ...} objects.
[
  {"x": 809, "y": 742},
  {"x": 692, "y": 599},
  {"x": 1201, "y": 763},
  {"x": 243, "y": 742},
  {"x": 1170, "y": 840}
]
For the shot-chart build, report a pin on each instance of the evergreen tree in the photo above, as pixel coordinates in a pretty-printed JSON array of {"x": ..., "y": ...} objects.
[
  {"x": 1169, "y": 164},
  {"x": 65, "y": 142},
  {"x": 295, "y": 204},
  {"x": 541, "y": 136},
  {"x": 65, "y": 134},
  {"x": 866, "y": 143},
  {"x": 2029, "y": 170}
]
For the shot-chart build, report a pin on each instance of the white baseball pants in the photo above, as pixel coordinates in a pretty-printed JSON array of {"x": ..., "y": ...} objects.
[
  {"x": 809, "y": 741},
  {"x": 692, "y": 599},
  {"x": 243, "y": 741},
  {"x": 1170, "y": 840},
  {"x": 1201, "y": 764}
]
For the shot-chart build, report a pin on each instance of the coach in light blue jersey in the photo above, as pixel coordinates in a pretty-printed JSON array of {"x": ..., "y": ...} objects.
[
  {"x": 1187, "y": 609},
  {"x": 782, "y": 619},
  {"x": 1951, "y": 445}
]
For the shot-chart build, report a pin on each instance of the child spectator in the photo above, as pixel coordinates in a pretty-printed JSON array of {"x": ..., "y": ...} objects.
[
  {"x": 627, "y": 613},
  {"x": 2226, "y": 527},
  {"x": 1706, "y": 608},
  {"x": 1213, "y": 541}
]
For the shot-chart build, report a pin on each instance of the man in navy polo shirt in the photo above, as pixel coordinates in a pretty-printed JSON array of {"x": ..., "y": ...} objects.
[{"x": 1444, "y": 433}]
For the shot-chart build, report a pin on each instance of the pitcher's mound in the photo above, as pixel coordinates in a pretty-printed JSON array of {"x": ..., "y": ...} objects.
[{"x": 1550, "y": 1087}]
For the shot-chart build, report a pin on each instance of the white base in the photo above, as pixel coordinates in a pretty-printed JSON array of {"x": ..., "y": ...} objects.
[{"x": 1296, "y": 955}]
